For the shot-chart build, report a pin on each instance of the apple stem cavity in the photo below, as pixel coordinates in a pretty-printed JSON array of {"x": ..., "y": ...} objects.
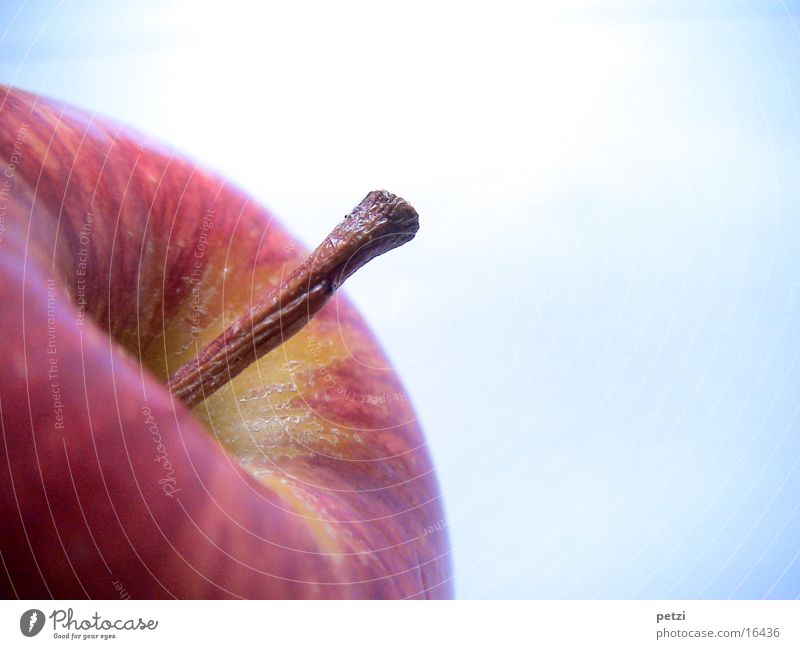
[{"x": 380, "y": 222}]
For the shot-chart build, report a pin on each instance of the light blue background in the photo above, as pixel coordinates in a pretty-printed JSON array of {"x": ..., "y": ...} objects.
[{"x": 598, "y": 322}]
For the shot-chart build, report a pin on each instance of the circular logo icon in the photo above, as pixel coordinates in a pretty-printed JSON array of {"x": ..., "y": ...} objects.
[{"x": 31, "y": 622}]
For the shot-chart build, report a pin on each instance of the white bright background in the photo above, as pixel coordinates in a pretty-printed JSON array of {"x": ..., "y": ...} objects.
[{"x": 598, "y": 322}]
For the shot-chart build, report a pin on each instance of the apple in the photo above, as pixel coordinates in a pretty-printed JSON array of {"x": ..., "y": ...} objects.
[{"x": 301, "y": 473}]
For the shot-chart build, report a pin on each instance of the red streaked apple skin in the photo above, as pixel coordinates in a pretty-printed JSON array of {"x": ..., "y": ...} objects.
[{"x": 107, "y": 483}]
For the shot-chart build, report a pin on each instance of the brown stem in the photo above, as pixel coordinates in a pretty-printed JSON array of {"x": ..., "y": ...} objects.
[{"x": 380, "y": 222}]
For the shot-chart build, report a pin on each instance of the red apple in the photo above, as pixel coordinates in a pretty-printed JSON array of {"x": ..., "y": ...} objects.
[{"x": 305, "y": 476}]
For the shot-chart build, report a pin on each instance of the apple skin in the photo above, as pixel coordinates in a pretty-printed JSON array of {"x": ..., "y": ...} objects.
[{"x": 306, "y": 477}]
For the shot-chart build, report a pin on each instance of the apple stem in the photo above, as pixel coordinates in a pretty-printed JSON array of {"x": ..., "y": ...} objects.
[{"x": 380, "y": 222}]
